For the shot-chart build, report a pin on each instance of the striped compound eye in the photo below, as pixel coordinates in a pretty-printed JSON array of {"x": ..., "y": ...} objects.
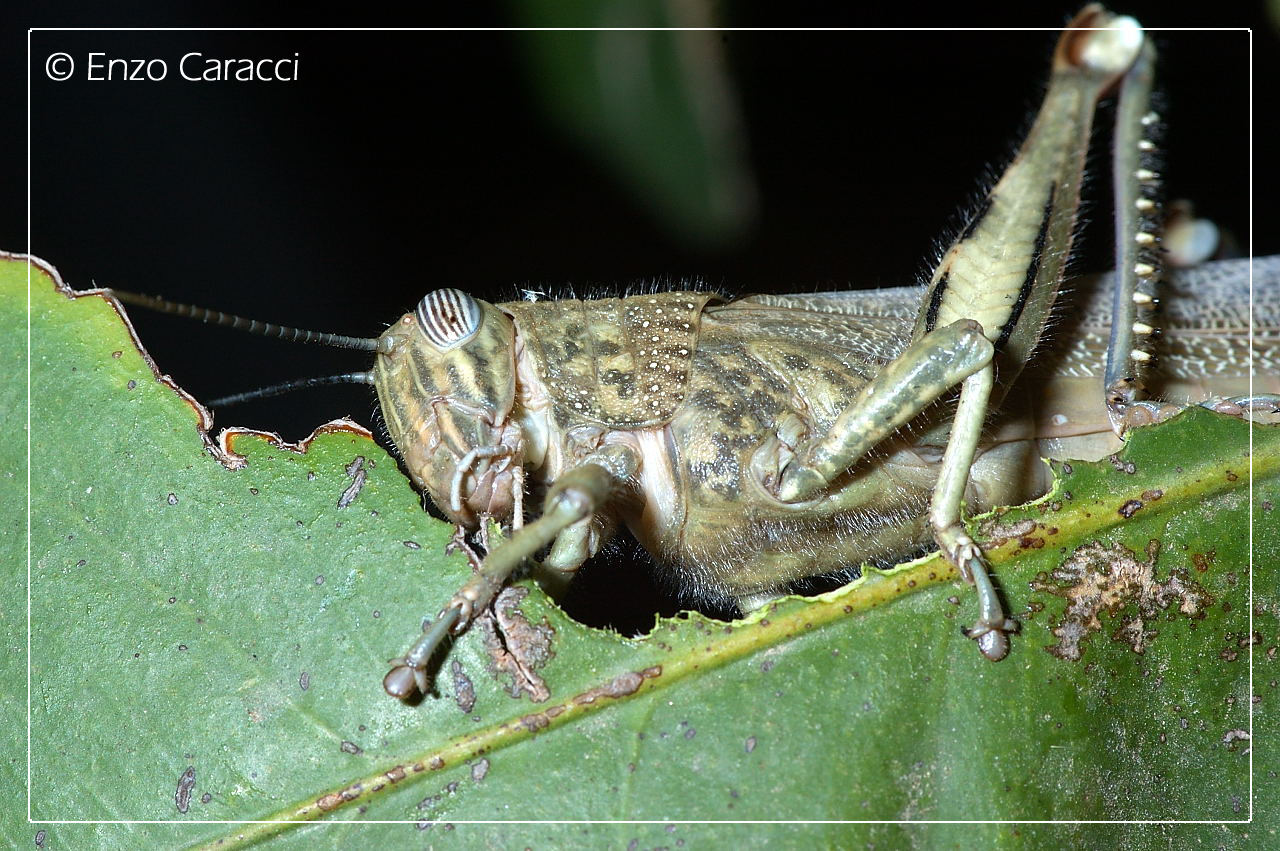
[{"x": 448, "y": 317}]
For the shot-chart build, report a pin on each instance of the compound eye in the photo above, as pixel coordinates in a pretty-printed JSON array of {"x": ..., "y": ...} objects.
[{"x": 448, "y": 317}]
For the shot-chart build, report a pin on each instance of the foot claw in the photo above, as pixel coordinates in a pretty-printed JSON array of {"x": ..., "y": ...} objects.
[
  {"x": 409, "y": 672},
  {"x": 993, "y": 639}
]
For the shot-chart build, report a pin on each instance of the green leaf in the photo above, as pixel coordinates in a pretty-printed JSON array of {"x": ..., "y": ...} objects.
[{"x": 210, "y": 629}]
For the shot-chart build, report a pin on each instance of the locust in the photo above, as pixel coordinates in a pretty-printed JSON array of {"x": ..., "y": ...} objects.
[{"x": 750, "y": 443}]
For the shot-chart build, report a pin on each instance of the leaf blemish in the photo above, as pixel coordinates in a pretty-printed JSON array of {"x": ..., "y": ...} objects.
[
  {"x": 1098, "y": 578},
  {"x": 516, "y": 647},
  {"x": 1121, "y": 466},
  {"x": 182, "y": 796},
  {"x": 356, "y": 472},
  {"x": 464, "y": 692}
]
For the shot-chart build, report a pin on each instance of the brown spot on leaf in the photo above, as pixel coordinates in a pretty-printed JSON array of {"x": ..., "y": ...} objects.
[
  {"x": 1130, "y": 508},
  {"x": 1121, "y": 466},
  {"x": 464, "y": 692},
  {"x": 182, "y": 796},
  {"x": 1203, "y": 561},
  {"x": 620, "y": 686},
  {"x": 1097, "y": 578},
  {"x": 330, "y": 801},
  {"x": 356, "y": 472},
  {"x": 535, "y": 722},
  {"x": 1000, "y": 533},
  {"x": 516, "y": 647}
]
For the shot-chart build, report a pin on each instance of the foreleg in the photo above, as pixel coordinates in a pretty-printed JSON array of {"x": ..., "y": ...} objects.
[{"x": 569, "y": 507}]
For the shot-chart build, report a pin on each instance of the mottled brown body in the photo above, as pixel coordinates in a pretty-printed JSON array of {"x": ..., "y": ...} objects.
[
  {"x": 714, "y": 410},
  {"x": 752, "y": 443},
  {"x": 767, "y": 377}
]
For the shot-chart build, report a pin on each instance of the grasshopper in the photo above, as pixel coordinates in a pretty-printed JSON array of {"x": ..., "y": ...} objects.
[{"x": 751, "y": 443}]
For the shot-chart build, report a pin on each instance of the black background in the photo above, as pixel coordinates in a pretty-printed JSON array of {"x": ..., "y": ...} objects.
[{"x": 405, "y": 161}]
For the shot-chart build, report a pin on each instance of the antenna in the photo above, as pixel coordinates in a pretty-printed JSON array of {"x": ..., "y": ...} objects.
[
  {"x": 254, "y": 326},
  {"x": 296, "y": 384}
]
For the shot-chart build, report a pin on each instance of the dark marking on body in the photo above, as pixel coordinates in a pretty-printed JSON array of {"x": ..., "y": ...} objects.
[
  {"x": 182, "y": 796},
  {"x": 173, "y": 499},
  {"x": 624, "y": 381},
  {"x": 935, "y": 303},
  {"x": 40, "y": 835},
  {"x": 132, "y": 384},
  {"x": 356, "y": 472},
  {"x": 794, "y": 362},
  {"x": 1033, "y": 271},
  {"x": 976, "y": 219},
  {"x": 351, "y": 748},
  {"x": 304, "y": 681}
]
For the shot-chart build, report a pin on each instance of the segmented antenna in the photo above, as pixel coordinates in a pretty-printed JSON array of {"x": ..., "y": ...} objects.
[
  {"x": 289, "y": 386},
  {"x": 252, "y": 326}
]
